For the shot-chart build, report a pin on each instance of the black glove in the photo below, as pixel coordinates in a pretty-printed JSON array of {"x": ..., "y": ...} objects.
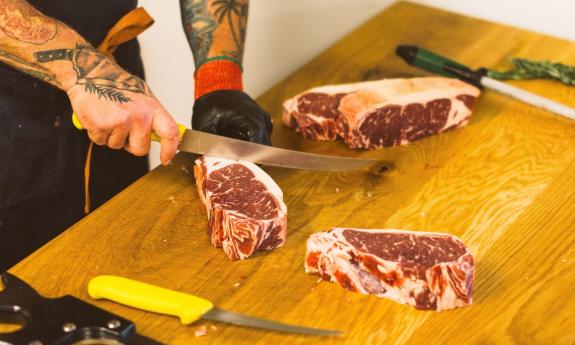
[{"x": 233, "y": 114}]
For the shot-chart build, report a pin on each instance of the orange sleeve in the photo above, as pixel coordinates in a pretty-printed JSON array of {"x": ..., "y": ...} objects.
[{"x": 217, "y": 75}]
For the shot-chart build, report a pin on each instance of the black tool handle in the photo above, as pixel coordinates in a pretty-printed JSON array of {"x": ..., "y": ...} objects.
[{"x": 435, "y": 63}]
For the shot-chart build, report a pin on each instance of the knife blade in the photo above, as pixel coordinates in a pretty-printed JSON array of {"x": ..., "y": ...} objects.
[
  {"x": 188, "y": 308},
  {"x": 435, "y": 63},
  {"x": 223, "y": 147},
  {"x": 217, "y": 314}
]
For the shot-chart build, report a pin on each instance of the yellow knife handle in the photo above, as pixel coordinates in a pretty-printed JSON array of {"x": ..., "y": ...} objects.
[
  {"x": 181, "y": 131},
  {"x": 77, "y": 122},
  {"x": 149, "y": 297},
  {"x": 155, "y": 137}
]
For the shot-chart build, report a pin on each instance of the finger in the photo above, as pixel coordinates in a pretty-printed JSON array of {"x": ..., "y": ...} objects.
[
  {"x": 81, "y": 118},
  {"x": 97, "y": 132},
  {"x": 254, "y": 133},
  {"x": 167, "y": 129},
  {"x": 237, "y": 127},
  {"x": 117, "y": 138},
  {"x": 252, "y": 129},
  {"x": 139, "y": 141},
  {"x": 98, "y": 137},
  {"x": 260, "y": 136}
]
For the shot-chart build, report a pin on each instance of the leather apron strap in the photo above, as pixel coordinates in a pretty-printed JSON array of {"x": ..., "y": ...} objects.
[{"x": 127, "y": 28}]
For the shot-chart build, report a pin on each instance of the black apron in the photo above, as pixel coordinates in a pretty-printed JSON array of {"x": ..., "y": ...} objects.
[{"x": 42, "y": 155}]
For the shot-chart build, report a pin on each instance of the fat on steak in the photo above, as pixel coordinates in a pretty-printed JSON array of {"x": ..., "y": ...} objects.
[
  {"x": 381, "y": 113},
  {"x": 245, "y": 207},
  {"x": 429, "y": 271}
]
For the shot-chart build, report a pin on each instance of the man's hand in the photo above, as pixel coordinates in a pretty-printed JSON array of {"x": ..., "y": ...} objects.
[
  {"x": 232, "y": 114},
  {"x": 117, "y": 108},
  {"x": 126, "y": 125}
]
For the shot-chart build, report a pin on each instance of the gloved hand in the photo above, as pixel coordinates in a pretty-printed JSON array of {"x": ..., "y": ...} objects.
[
  {"x": 232, "y": 114},
  {"x": 222, "y": 108}
]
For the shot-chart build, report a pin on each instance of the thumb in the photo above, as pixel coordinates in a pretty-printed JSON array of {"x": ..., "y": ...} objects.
[{"x": 167, "y": 129}]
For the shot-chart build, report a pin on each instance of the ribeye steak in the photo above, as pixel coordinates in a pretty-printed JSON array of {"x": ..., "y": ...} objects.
[
  {"x": 381, "y": 113},
  {"x": 246, "y": 212},
  {"x": 431, "y": 271}
]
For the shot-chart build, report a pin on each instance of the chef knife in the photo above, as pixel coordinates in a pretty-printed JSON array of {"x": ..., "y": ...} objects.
[
  {"x": 432, "y": 62},
  {"x": 223, "y": 147},
  {"x": 188, "y": 308}
]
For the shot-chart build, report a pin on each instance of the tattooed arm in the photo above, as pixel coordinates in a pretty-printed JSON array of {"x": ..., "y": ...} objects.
[
  {"x": 117, "y": 108},
  {"x": 215, "y": 29}
]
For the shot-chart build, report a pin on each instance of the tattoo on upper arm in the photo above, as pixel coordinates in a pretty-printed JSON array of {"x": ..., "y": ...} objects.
[
  {"x": 21, "y": 21},
  {"x": 99, "y": 75},
  {"x": 202, "y": 18}
]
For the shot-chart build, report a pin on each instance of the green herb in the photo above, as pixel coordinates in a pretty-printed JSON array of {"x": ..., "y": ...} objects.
[{"x": 527, "y": 69}]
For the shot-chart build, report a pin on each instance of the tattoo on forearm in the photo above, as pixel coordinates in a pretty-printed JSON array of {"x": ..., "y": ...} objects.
[
  {"x": 204, "y": 19},
  {"x": 236, "y": 14},
  {"x": 99, "y": 75},
  {"x": 31, "y": 68},
  {"x": 199, "y": 26},
  {"x": 22, "y": 22}
]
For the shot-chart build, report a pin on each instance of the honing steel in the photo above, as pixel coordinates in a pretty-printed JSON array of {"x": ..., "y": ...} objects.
[
  {"x": 223, "y": 147},
  {"x": 435, "y": 63},
  {"x": 60, "y": 321},
  {"x": 188, "y": 308}
]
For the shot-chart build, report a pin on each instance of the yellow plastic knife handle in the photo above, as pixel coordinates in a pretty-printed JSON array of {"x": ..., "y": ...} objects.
[
  {"x": 149, "y": 297},
  {"x": 155, "y": 137}
]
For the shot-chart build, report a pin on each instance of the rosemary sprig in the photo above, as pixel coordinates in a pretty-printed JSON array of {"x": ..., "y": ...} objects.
[{"x": 527, "y": 69}]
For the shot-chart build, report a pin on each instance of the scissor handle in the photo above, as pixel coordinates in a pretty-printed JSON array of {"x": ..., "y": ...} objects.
[
  {"x": 154, "y": 136},
  {"x": 17, "y": 292},
  {"x": 148, "y": 297}
]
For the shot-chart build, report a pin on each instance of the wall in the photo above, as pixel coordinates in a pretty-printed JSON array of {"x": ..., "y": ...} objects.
[
  {"x": 552, "y": 17},
  {"x": 283, "y": 35}
]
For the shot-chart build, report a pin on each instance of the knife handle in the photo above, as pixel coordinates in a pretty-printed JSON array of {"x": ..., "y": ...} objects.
[
  {"x": 148, "y": 297},
  {"x": 154, "y": 136},
  {"x": 435, "y": 63}
]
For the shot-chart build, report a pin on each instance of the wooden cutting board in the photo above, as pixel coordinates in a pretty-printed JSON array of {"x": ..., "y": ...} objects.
[{"x": 505, "y": 185}]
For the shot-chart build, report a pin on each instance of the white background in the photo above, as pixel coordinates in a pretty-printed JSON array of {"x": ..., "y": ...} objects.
[{"x": 284, "y": 34}]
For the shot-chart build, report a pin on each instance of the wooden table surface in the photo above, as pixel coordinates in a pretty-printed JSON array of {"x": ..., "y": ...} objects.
[{"x": 505, "y": 185}]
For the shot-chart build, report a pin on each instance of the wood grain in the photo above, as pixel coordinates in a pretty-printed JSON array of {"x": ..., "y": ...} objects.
[{"x": 505, "y": 185}]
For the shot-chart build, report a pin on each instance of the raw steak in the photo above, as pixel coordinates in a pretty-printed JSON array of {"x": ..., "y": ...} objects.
[
  {"x": 246, "y": 212},
  {"x": 381, "y": 113},
  {"x": 423, "y": 269}
]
